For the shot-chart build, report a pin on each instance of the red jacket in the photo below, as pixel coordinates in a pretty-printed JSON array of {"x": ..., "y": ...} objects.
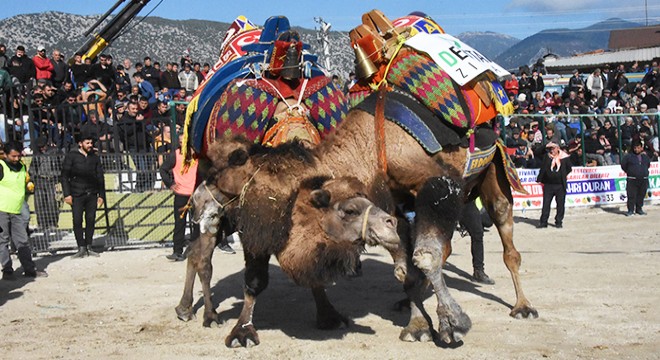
[
  {"x": 44, "y": 67},
  {"x": 511, "y": 86}
]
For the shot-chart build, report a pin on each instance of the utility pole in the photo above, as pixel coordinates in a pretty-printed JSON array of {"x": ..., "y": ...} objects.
[
  {"x": 646, "y": 10},
  {"x": 323, "y": 37}
]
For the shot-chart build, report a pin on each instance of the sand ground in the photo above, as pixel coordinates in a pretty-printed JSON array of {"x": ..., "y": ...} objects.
[{"x": 594, "y": 283}]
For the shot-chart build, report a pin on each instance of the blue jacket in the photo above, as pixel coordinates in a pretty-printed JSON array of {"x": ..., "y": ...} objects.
[
  {"x": 147, "y": 90},
  {"x": 635, "y": 168}
]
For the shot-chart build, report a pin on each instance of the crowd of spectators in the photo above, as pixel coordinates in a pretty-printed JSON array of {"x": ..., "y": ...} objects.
[
  {"x": 603, "y": 107},
  {"x": 127, "y": 107}
]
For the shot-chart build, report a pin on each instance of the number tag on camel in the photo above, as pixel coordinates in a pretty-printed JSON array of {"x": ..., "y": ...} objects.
[{"x": 459, "y": 60}]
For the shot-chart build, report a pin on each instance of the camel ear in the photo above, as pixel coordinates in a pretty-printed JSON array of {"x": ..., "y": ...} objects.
[
  {"x": 320, "y": 198},
  {"x": 238, "y": 157}
]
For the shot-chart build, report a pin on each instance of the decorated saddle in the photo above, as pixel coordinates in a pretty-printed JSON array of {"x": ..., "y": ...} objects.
[
  {"x": 454, "y": 89},
  {"x": 266, "y": 88}
]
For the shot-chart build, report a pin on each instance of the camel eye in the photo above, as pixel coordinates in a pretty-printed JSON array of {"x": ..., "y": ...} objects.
[{"x": 351, "y": 211}]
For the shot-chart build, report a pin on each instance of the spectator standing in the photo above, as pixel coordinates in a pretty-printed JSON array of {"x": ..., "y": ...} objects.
[
  {"x": 83, "y": 187},
  {"x": 596, "y": 83},
  {"x": 21, "y": 67},
  {"x": 182, "y": 185},
  {"x": 132, "y": 133},
  {"x": 471, "y": 221},
  {"x": 151, "y": 74},
  {"x": 636, "y": 166},
  {"x": 197, "y": 69},
  {"x": 80, "y": 71},
  {"x": 188, "y": 79},
  {"x": 170, "y": 79},
  {"x": 4, "y": 60},
  {"x": 575, "y": 83},
  {"x": 13, "y": 181},
  {"x": 128, "y": 68},
  {"x": 511, "y": 85},
  {"x": 60, "y": 69},
  {"x": 553, "y": 173},
  {"x": 45, "y": 172},
  {"x": 536, "y": 84},
  {"x": 42, "y": 64}
]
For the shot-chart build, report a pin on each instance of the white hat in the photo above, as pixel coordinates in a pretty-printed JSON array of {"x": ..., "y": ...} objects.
[
  {"x": 522, "y": 97},
  {"x": 41, "y": 48}
]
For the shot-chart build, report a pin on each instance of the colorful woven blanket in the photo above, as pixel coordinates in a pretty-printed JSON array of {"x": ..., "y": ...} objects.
[
  {"x": 427, "y": 82},
  {"x": 247, "y": 107}
]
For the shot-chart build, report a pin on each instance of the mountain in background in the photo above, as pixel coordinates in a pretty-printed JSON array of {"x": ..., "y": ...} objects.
[
  {"x": 165, "y": 40},
  {"x": 561, "y": 42},
  {"x": 490, "y": 44}
]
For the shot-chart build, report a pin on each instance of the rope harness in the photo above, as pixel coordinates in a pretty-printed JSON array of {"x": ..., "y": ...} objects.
[{"x": 365, "y": 219}]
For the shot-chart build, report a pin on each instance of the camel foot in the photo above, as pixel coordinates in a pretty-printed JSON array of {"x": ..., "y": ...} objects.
[
  {"x": 417, "y": 330},
  {"x": 242, "y": 336},
  {"x": 184, "y": 313},
  {"x": 331, "y": 320},
  {"x": 524, "y": 312},
  {"x": 210, "y": 318},
  {"x": 453, "y": 328}
]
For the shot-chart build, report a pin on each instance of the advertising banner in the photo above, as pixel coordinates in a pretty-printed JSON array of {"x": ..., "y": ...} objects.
[{"x": 587, "y": 186}]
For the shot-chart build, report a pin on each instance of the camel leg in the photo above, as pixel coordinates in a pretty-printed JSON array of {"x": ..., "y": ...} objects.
[
  {"x": 327, "y": 318},
  {"x": 438, "y": 206},
  {"x": 184, "y": 309},
  {"x": 419, "y": 326},
  {"x": 256, "y": 280},
  {"x": 496, "y": 197},
  {"x": 205, "y": 272}
]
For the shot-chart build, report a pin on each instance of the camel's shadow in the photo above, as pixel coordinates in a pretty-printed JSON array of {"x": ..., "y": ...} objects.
[{"x": 290, "y": 308}]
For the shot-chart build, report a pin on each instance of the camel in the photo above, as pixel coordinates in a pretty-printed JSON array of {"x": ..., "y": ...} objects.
[
  {"x": 353, "y": 150},
  {"x": 331, "y": 222}
]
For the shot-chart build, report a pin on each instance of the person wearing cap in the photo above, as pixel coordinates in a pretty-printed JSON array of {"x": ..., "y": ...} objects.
[
  {"x": 83, "y": 187},
  {"x": 636, "y": 166},
  {"x": 554, "y": 170},
  {"x": 21, "y": 67},
  {"x": 42, "y": 64}
]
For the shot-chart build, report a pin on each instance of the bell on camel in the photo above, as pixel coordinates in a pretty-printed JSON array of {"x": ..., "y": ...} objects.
[
  {"x": 291, "y": 69},
  {"x": 364, "y": 67}
]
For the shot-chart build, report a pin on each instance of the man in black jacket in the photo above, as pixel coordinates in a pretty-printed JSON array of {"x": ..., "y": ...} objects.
[
  {"x": 83, "y": 188},
  {"x": 553, "y": 173},
  {"x": 636, "y": 166}
]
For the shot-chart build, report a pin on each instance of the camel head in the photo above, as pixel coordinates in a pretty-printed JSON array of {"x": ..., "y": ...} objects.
[
  {"x": 208, "y": 206},
  {"x": 349, "y": 216}
]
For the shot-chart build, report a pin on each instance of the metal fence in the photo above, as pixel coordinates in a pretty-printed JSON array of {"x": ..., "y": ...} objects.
[
  {"x": 571, "y": 129},
  {"x": 137, "y": 210},
  {"x": 134, "y": 213}
]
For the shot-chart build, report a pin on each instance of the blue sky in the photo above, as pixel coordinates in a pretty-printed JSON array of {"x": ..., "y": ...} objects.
[{"x": 518, "y": 18}]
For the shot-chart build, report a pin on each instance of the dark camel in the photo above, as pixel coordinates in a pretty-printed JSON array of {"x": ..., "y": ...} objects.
[
  {"x": 330, "y": 224},
  {"x": 352, "y": 150}
]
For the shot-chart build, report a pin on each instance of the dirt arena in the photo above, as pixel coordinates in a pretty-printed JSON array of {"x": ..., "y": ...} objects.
[{"x": 594, "y": 283}]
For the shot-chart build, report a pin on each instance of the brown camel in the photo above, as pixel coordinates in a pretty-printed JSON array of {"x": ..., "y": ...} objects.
[
  {"x": 331, "y": 223},
  {"x": 352, "y": 150}
]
